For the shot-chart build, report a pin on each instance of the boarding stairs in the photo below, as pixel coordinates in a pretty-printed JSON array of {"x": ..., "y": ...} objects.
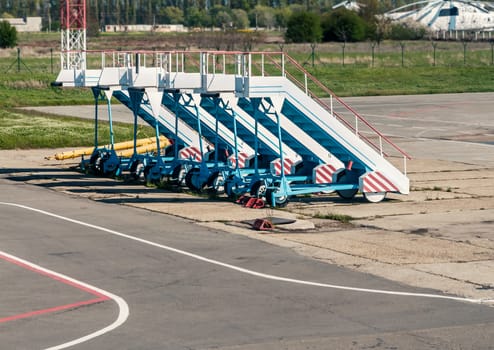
[{"x": 278, "y": 94}]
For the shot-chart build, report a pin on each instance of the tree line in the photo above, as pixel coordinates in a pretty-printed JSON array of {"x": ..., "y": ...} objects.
[
  {"x": 237, "y": 14},
  {"x": 344, "y": 25}
]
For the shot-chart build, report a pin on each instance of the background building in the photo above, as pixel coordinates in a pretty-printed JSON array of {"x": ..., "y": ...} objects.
[{"x": 28, "y": 24}]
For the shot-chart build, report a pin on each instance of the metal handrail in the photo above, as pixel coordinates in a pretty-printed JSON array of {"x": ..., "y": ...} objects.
[
  {"x": 355, "y": 113},
  {"x": 329, "y": 109}
]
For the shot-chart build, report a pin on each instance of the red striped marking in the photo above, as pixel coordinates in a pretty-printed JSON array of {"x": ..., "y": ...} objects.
[
  {"x": 377, "y": 182},
  {"x": 191, "y": 153},
  {"x": 324, "y": 173},
  {"x": 100, "y": 297},
  {"x": 389, "y": 183},
  {"x": 276, "y": 166},
  {"x": 242, "y": 158}
]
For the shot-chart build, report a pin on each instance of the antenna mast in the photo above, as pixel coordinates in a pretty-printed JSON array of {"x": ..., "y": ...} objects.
[{"x": 73, "y": 29}]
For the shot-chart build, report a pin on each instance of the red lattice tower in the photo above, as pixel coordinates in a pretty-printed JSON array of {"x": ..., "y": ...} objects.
[{"x": 73, "y": 28}]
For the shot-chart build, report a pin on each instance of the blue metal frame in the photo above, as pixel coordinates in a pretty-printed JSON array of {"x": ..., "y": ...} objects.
[{"x": 103, "y": 160}]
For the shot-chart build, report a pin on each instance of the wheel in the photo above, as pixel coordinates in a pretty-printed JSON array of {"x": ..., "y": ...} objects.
[
  {"x": 97, "y": 166},
  {"x": 374, "y": 197},
  {"x": 147, "y": 175},
  {"x": 258, "y": 189},
  {"x": 345, "y": 194},
  {"x": 110, "y": 163},
  {"x": 231, "y": 186},
  {"x": 192, "y": 180},
  {"x": 178, "y": 176},
  {"x": 137, "y": 171},
  {"x": 228, "y": 186},
  {"x": 94, "y": 163},
  {"x": 216, "y": 182},
  {"x": 279, "y": 202}
]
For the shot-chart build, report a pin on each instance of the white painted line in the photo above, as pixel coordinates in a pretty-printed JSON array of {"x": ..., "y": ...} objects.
[
  {"x": 123, "y": 312},
  {"x": 247, "y": 271}
]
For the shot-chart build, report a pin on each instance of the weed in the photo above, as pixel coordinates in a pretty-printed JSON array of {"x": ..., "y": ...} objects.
[{"x": 337, "y": 217}]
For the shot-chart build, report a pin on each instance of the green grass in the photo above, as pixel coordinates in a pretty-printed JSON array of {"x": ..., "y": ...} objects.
[
  {"x": 455, "y": 68},
  {"x": 33, "y": 89},
  {"x": 27, "y": 130},
  {"x": 345, "y": 219},
  {"x": 403, "y": 81}
]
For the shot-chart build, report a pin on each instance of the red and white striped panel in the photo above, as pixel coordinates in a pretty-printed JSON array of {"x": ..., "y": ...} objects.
[
  {"x": 190, "y": 153},
  {"x": 242, "y": 160},
  {"x": 377, "y": 182},
  {"x": 323, "y": 174},
  {"x": 276, "y": 166}
]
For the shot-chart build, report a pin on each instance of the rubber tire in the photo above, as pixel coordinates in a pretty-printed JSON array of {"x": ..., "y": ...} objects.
[
  {"x": 345, "y": 194},
  {"x": 97, "y": 166},
  {"x": 229, "y": 186},
  {"x": 280, "y": 202},
  {"x": 188, "y": 179},
  {"x": 137, "y": 171},
  {"x": 146, "y": 171},
  {"x": 177, "y": 177},
  {"x": 94, "y": 165},
  {"x": 258, "y": 189},
  {"x": 374, "y": 197},
  {"x": 217, "y": 183}
]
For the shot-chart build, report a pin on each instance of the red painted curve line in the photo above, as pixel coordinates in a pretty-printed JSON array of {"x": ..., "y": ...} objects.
[
  {"x": 52, "y": 309},
  {"x": 52, "y": 276},
  {"x": 100, "y": 297}
]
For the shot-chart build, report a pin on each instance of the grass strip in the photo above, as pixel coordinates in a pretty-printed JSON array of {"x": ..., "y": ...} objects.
[{"x": 30, "y": 130}]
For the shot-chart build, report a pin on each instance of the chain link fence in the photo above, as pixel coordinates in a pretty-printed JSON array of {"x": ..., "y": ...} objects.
[
  {"x": 397, "y": 54},
  {"x": 364, "y": 54}
]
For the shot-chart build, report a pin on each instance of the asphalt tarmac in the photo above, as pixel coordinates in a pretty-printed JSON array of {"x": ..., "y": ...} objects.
[
  {"x": 139, "y": 279},
  {"x": 188, "y": 287}
]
